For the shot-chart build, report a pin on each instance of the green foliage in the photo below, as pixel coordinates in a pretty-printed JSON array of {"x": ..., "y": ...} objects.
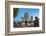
[
  {"x": 15, "y": 10},
  {"x": 36, "y": 21}
]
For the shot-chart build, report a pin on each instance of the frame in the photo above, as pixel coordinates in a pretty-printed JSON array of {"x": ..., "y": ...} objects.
[{"x": 7, "y": 17}]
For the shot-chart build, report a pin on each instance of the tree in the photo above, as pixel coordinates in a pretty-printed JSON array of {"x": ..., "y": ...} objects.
[
  {"x": 15, "y": 12},
  {"x": 36, "y": 22},
  {"x": 15, "y": 24}
]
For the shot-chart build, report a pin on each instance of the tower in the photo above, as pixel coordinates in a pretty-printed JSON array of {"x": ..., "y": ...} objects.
[{"x": 31, "y": 18}]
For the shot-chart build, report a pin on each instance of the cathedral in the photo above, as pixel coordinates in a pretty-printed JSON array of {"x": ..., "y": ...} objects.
[{"x": 26, "y": 21}]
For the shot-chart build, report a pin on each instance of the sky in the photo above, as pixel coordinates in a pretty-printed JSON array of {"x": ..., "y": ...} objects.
[{"x": 31, "y": 11}]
